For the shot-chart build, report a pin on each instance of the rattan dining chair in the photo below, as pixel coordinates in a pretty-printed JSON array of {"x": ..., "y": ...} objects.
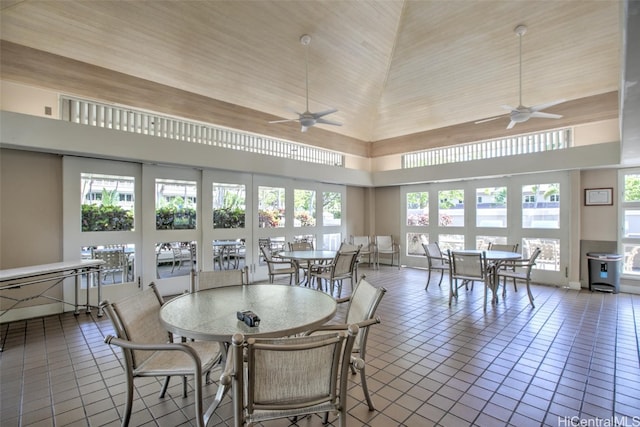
[
  {"x": 289, "y": 377},
  {"x": 435, "y": 261},
  {"x": 468, "y": 267},
  {"x": 361, "y": 311},
  {"x": 522, "y": 271},
  {"x": 148, "y": 349}
]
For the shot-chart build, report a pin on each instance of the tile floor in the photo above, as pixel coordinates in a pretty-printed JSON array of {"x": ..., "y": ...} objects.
[{"x": 572, "y": 360}]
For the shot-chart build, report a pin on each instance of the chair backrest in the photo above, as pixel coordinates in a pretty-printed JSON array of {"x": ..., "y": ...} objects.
[
  {"x": 300, "y": 246},
  {"x": 434, "y": 255},
  {"x": 363, "y": 304},
  {"x": 465, "y": 265},
  {"x": 432, "y": 250},
  {"x": 532, "y": 259},
  {"x": 384, "y": 243},
  {"x": 349, "y": 247},
  {"x": 264, "y": 242},
  {"x": 113, "y": 258},
  {"x": 221, "y": 278},
  {"x": 138, "y": 320},
  {"x": 503, "y": 247},
  {"x": 266, "y": 253},
  {"x": 363, "y": 241},
  {"x": 288, "y": 373},
  {"x": 344, "y": 263}
]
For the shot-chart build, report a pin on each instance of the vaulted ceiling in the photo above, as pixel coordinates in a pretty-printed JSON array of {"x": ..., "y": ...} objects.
[{"x": 404, "y": 75}]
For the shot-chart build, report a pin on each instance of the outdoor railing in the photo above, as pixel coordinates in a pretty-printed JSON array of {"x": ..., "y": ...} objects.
[
  {"x": 146, "y": 123},
  {"x": 558, "y": 139}
]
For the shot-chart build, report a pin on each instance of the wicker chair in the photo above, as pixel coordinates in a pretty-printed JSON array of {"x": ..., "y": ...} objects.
[
  {"x": 361, "y": 311},
  {"x": 148, "y": 349},
  {"x": 435, "y": 261},
  {"x": 289, "y": 377}
]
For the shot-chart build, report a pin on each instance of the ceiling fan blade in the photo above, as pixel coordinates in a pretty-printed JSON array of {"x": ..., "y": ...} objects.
[
  {"x": 547, "y": 105},
  {"x": 324, "y": 113},
  {"x": 543, "y": 115},
  {"x": 284, "y": 121},
  {"x": 489, "y": 119},
  {"x": 328, "y": 122},
  {"x": 511, "y": 124}
]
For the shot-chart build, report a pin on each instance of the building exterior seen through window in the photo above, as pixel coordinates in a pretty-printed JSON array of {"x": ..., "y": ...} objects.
[
  {"x": 107, "y": 202},
  {"x": 176, "y": 204}
]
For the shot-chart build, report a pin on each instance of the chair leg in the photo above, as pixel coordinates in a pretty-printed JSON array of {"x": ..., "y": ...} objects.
[
  {"x": 365, "y": 389},
  {"x": 450, "y": 290},
  {"x": 504, "y": 287},
  {"x": 441, "y": 276},
  {"x": 165, "y": 385},
  {"x": 428, "y": 280},
  {"x": 184, "y": 386},
  {"x": 530, "y": 295},
  {"x": 485, "y": 296},
  {"x": 128, "y": 405}
]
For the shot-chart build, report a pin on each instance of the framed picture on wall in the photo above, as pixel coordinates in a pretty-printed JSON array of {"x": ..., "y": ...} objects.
[{"x": 598, "y": 196}]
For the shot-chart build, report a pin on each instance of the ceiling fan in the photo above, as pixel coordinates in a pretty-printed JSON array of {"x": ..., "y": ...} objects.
[
  {"x": 521, "y": 113},
  {"x": 308, "y": 119}
]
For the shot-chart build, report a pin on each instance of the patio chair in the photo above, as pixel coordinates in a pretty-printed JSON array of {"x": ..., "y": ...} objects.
[
  {"x": 115, "y": 262},
  {"x": 289, "y": 377},
  {"x": 301, "y": 246},
  {"x": 350, "y": 247},
  {"x": 503, "y": 247},
  {"x": 341, "y": 268},
  {"x": 279, "y": 267},
  {"x": 220, "y": 278},
  {"x": 467, "y": 267},
  {"x": 148, "y": 349},
  {"x": 368, "y": 248},
  {"x": 522, "y": 271},
  {"x": 504, "y": 265},
  {"x": 385, "y": 245},
  {"x": 361, "y": 309},
  {"x": 237, "y": 255},
  {"x": 435, "y": 261}
]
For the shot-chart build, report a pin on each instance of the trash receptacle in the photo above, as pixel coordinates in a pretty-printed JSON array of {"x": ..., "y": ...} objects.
[{"x": 604, "y": 272}]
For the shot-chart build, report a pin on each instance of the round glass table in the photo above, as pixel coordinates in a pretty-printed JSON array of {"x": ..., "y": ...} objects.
[{"x": 210, "y": 314}]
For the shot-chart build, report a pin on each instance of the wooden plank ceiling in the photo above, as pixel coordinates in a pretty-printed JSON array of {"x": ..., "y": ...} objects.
[{"x": 404, "y": 75}]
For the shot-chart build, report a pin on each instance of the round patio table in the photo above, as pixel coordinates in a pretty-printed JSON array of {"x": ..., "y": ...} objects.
[
  {"x": 210, "y": 315},
  {"x": 307, "y": 257},
  {"x": 497, "y": 258}
]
